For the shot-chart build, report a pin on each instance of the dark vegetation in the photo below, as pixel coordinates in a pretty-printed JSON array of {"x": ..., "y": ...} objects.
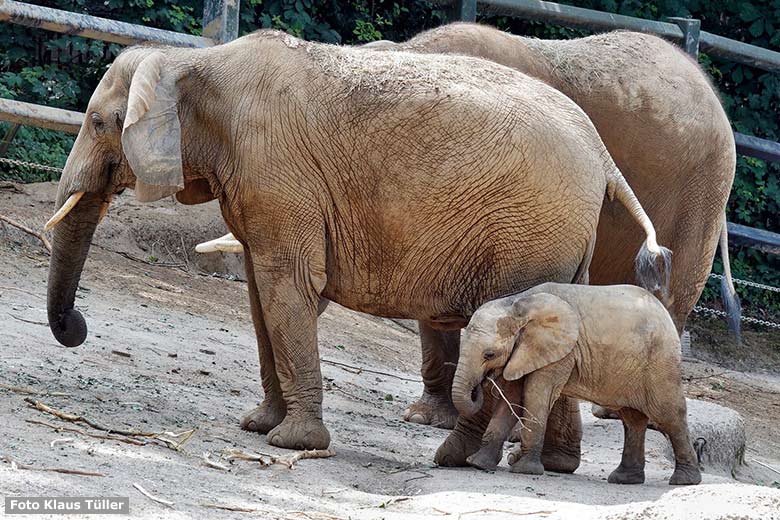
[{"x": 61, "y": 71}]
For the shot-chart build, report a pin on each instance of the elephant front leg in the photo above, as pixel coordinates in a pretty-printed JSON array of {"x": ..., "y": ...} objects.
[
  {"x": 273, "y": 409},
  {"x": 466, "y": 438},
  {"x": 540, "y": 388},
  {"x": 632, "y": 463},
  {"x": 561, "y": 450},
  {"x": 501, "y": 424},
  {"x": 440, "y": 350},
  {"x": 290, "y": 316}
]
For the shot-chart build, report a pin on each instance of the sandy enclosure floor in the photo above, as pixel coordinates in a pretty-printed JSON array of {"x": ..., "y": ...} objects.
[{"x": 172, "y": 350}]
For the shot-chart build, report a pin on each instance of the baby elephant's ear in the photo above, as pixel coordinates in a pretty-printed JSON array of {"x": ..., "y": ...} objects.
[
  {"x": 151, "y": 137},
  {"x": 550, "y": 333}
]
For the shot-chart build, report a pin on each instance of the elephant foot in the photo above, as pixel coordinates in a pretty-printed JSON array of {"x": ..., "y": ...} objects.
[
  {"x": 685, "y": 475},
  {"x": 455, "y": 449},
  {"x": 561, "y": 459},
  {"x": 264, "y": 418},
  {"x": 603, "y": 413},
  {"x": 434, "y": 409},
  {"x": 300, "y": 433},
  {"x": 527, "y": 464},
  {"x": 485, "y": 459},
  {"x": 627, "y": 475}
]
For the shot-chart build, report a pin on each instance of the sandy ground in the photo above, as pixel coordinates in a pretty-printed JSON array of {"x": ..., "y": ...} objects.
[{"x": 170, "y": 349}]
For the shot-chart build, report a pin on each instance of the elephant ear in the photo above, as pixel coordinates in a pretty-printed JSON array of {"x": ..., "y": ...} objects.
[
  {"x": 151, "y": 137},
  {"x": 550, "y": 333}
]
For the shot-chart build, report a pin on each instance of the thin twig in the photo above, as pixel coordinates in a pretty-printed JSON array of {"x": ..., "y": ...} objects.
[
  {"x": 767, "y": 466},
  {"x": 27, "y": 230},
  {"x": 6, "y": 288},
  {"x": 30, "y": 391},
  {"x": 16, "y": 465},
  {"x": 152, "y": 497},
  {"x": 237, "y": 509},
  {"x": 184, "y": 250},
  {"x": 490, "y": 510},
  {"x": 28, "y": 321},
  {"x": 141, "y": 260},
  {"x": 210, "y": 463},
  {"x": 169, "y": 438},
  {"x": 510, "y": 405},
  {"x": 128, "y": 440},
  {"x": 66, "y": 440},
  {"x": 288, "y": 460},
  {"x": 368, "y": 370},
  {"x": 697, "y": 378}
]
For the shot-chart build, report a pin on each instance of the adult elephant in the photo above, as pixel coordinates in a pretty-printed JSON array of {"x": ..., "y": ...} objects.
[
  {"x": 664, "y": 126},
  {"x": 398, "y": 184}
]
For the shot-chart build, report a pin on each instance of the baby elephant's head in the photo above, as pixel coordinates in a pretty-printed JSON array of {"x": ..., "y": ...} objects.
[{"x": 516, "y": 335}]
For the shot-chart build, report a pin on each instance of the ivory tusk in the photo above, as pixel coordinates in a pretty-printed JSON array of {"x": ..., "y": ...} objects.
[
  {"x": 104, "y": 208},
  {"x": 64, "y": 210},
  {"x": 227, "y": 244}
]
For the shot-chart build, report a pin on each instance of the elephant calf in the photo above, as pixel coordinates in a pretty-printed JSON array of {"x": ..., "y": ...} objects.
[{"x": 613, "y": 345}]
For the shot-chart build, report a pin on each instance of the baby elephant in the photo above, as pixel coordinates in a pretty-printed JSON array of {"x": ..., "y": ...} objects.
[{"x": 612, "y": 345}]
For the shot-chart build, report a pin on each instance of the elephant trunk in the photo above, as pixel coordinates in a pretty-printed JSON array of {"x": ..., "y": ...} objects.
[
  {"x": 72, "y": 238},
  {"x": 467, "y": 393}
]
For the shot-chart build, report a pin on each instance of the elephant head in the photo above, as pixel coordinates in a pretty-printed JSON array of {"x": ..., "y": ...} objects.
[
  {"x": 518, "y": 334},
  {"x": 131, "y": 138}
]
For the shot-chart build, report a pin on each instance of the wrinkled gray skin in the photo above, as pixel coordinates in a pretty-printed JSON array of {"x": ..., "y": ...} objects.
[
  {"x": 612, "y": 345},
  {"x": 663, "y": 124},
  {"x": 402, "y": 185}
]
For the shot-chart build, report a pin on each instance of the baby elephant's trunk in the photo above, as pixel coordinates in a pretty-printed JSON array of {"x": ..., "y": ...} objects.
[{"x": 653, "y": 264}]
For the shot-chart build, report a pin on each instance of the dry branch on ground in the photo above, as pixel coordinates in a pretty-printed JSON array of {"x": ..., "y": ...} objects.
[
  {"x": 22, "y": 227},
  {"x": 288, "y": 460},
  {"x": 16, "y": 466},
  {"x": 172, "y": 440}
]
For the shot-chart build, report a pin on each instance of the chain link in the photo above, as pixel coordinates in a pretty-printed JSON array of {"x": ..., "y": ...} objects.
[
  {"x": 748, "y": 283},
  {"x": 714, "y": 312},
  {"x": 25, "y": 164}
]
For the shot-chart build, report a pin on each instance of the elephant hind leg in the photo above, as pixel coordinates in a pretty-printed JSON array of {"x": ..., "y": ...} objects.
[
  {"x": 440, "y": 349},
  {"x": 563, "y": 436},
  {"x": 674, "y": 423},
  {"x": 632, "y": 464}
]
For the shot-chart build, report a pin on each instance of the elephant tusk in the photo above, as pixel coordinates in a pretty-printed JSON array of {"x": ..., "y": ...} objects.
[
  {"x": 64, "y": 210},
  {"x": 226, "y": 244},
  {"x": 104, "y": 208}
]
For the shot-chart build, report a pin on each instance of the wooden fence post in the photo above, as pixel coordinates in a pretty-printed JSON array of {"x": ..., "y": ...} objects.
[
  {"x": 220, "y": 19},
  {"x": 464, "y": 11}
]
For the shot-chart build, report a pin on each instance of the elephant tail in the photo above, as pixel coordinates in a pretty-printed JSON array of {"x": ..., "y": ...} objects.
[
  {"x": 653, "y": 263},
  {"x": 728, "y": 294}
]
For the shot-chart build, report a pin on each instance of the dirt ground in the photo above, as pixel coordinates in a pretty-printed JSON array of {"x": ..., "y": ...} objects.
[{"x": 171, "y": 349}]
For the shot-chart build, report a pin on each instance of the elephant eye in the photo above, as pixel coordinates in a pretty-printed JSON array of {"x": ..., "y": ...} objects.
[
  {"x": 489, "y": 355},
  {"x": 97, "y": 123}
]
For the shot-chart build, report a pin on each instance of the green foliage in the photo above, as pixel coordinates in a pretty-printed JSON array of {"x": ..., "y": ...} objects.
[{"x": 61, "y": 71}]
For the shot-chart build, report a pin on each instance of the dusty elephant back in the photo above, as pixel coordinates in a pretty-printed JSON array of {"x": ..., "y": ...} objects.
[
  {"x": 420, "y": 153},
  {"x": 661, "y": 121}
]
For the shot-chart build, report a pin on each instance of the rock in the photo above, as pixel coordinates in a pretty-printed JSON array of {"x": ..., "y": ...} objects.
[{"x": 718, "y": 434}]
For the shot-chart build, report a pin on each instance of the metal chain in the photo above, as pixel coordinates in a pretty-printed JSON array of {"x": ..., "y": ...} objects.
[
  {"x": 748, "y": 283},
  {"x": 35, "y": 166},
  {"x": 714, "y": 312}
]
